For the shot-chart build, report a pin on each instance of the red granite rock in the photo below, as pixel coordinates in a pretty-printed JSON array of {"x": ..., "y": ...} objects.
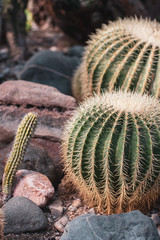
[
  {"x": 34, "y": 186},
  {"x": 35, "y": 94}
]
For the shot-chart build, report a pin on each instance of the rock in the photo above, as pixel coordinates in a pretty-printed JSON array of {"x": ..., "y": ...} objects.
[
  {"x": 158, "y": 229},
  {"x": 91, "y": 211},
  {"x": 72, "y": 208},
  {"x": 61, "y": 223},
  {"x": 20, "y": 97},
  {"x": 4, "y": 54},
  {"x": 51, "y": 68},
  {"x": 77, "y": 203},
  {"x": 22, "y": 215},
  {"x": 28, "y": 93},
  {"x": 56, "y": 208},
  {"x": 34, "y": 186},
  {"x": 76, "y": 51},
  {"x": 127, "y": 226},
  {"x": 156, "y": 219}
]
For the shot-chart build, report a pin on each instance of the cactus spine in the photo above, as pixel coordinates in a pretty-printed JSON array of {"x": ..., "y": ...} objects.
[
  {"x": 24, "y": 132},
  {"x": 124, "y": 54},
  {"x": 111, "y": 151},
  {"x": 2, "y": 222}
]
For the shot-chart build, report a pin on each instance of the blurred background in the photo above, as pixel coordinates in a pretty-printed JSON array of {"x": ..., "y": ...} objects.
[{"x": 30, "y": 24}]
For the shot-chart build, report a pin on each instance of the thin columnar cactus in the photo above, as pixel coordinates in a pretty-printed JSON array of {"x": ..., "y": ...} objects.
[
  {"x": 111, "y": 151},
  {"x": 24, "y": 133},
  {"x": 122, "y": 55},
  {"x": 2, "y": 222}
]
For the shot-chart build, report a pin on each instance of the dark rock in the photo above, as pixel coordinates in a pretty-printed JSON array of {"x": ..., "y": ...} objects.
[
  {"x": 127, "y": 226},
  {"x": 76, "y": 51},
  {"x": 4, "y": 54},
  {"x": 20, "y": 97},
  {"x": 51, "y": 68},
  {"x": 22, "y": 215}
]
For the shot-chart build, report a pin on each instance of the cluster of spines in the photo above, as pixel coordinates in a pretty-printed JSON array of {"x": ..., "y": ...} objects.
[
  {"x": 111, "y": 152},
  {"x": 23, "y": 135},
  {"x": 2, "y": 222},
  {"x": 119, "y": 57}
]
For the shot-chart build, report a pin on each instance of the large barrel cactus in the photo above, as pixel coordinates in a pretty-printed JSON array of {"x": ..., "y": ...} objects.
[
  {"x": 111, "y": 151},
  {"x": 124, "y": 54}
]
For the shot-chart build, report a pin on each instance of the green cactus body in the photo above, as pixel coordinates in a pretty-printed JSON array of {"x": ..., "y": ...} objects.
[
  {"x": 111, "y": 151},
  {"x": 24, "y": 133},
  {"x": 76, "y": 85},
  {"x": 122, "y": 55}
]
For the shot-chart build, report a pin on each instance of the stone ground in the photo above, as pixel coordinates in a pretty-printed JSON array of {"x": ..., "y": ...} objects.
[{"x": 71, "y": 206}]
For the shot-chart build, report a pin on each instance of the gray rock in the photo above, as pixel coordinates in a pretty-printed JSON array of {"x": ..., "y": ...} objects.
[
  {"x": 51, "y": 68},
  {"x": 22, "y": 215},
  {"x": 127, "y": 226},
  {"x": 76, "y": 51},
  {"x": 4, "y": 54},
  {"x": 56, "y": 208},
  {"x": 156, "y": 219}
]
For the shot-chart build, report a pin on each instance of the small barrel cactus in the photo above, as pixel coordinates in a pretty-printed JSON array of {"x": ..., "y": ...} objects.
[
  {"x": 24, "y": 133},
  {"x": 122, "y": 55},
  {"x": 111, "y": 151}
]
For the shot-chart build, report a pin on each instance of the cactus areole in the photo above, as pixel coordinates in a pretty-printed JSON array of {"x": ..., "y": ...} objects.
[
  {"x": 111, "y": 151},
  {"x": 23, "y": 135},
  {"x": 124, "y": 54}
]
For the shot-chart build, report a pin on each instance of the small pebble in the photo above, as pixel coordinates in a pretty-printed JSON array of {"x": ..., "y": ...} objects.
[
  {"x": 77, "y": 203},
  {"x": 61, "y": 223},
  {"x": 72, "y": 208},
  {"x": 156, "y": 219},
  {"x": 56, "y": 208},
  {"x": 91, "y": 211}
]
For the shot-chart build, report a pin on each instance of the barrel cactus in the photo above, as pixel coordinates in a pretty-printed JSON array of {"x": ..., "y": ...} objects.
[
  {"x": 24, "y": 133},
  {"x": 122, "y": 55},
  {"x": 111, "y": 151}
]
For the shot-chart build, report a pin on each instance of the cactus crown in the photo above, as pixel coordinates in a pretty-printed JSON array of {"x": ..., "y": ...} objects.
[
  {"x": 111, "y": 151},
  {"x": 124, "y": 54},
  {"x": 23, "y": 135}
]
